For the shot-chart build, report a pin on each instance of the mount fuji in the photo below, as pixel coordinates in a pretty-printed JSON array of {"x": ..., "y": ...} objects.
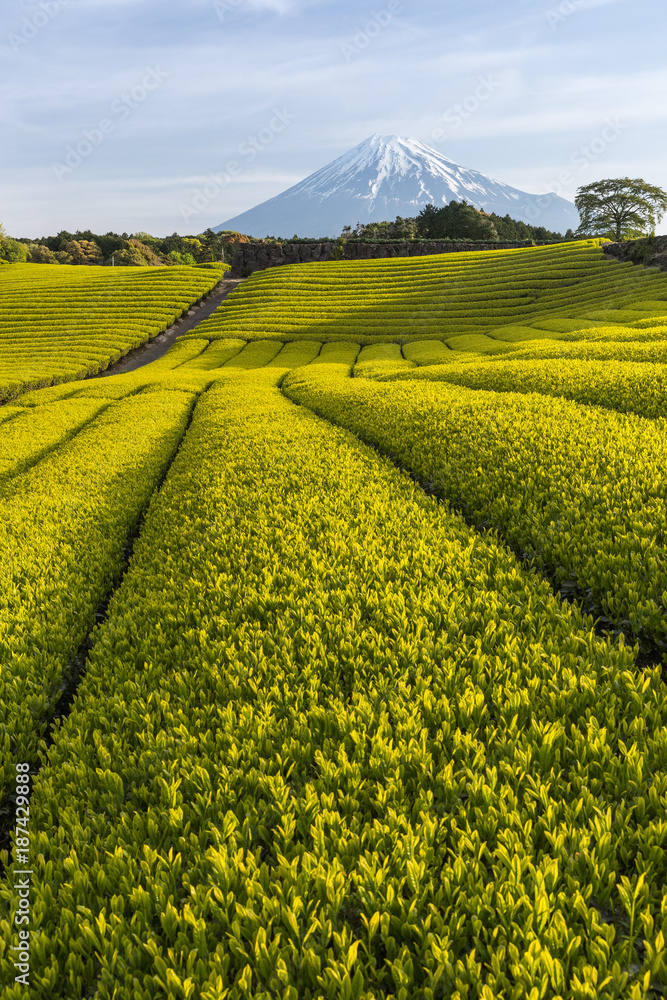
[{"x": 386, "y": 176}]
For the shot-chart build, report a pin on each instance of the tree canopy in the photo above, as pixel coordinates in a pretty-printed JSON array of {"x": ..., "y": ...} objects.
[
  {"x": 464, "y": 223},
  {"x": 138, "y": 250},
  {"x": 620, "y": 208},
  {"x": 11, "y": 250},
  {"x": 400, "y": 229},
  {"x": 457, "y": 220}
]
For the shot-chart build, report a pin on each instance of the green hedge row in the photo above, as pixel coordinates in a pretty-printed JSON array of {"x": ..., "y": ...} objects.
[
  {"x": 31, "y": 435},
  {"x": 579, "y": 491},
  {"x": 63, "y": 527},
  {"x": 59, "y": 323},
  {"x": 332, "y": 743},
  {"x": 626, "y": 386},
  {"x": 404, "y": 298},
  {"x": 381, "y": 359}
]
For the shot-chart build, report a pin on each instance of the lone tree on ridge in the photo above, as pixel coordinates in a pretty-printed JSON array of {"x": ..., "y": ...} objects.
[{"x": 621, "y": 208}]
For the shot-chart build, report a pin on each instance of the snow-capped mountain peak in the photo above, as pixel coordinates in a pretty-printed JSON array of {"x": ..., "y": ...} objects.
[{"x": 385, "y": 176}]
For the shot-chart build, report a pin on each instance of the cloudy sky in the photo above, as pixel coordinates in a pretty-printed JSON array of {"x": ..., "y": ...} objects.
[{"x": 119, "y": 114}]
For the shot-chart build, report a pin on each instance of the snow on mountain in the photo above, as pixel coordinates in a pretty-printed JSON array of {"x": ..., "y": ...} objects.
[{"x": 386, "y": 176}]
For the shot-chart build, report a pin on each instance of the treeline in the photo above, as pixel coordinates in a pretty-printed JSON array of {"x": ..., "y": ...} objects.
[
  {"x": 457, "y": 220},
  {"x": 121, "y": 250},
  {"x": 454, "y": 221}
]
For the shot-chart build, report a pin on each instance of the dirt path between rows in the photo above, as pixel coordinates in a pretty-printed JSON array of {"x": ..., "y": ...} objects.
[{"x": 143, "y": 355}]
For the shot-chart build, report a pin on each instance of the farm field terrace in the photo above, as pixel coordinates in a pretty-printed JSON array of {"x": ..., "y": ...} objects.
[
  {"x": 337, "y": 666},
  {"x": 498, "y": 294},
  {"x": 60, "y": 322}
]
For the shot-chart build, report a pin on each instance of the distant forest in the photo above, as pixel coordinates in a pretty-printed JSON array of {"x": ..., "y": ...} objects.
[{"x": 122, "y": 250}]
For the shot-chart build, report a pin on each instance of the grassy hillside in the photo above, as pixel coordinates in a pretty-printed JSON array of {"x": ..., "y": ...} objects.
[{"x": 439, "y": 296}]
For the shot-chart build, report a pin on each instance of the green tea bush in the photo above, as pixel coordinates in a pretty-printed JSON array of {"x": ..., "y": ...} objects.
[
  {"x": 59, "y": 322},
  {"x": 576, "y": 490},
  {"x": 330, "y": 742}
]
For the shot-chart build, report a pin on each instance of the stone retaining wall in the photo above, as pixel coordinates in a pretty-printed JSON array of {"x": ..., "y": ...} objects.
[
  {"x": 650, "y": 251},
  {"x": 252, "y": 257}
]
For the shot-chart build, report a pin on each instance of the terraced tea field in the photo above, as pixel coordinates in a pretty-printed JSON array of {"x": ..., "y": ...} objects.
[
  {"x": 59, "y": 323},
  {"x": 500, "y": 294},
  {"x": 334, "y": 660}
]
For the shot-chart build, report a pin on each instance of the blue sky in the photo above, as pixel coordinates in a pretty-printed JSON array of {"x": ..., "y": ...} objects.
[{"x": 122, "y": 114}]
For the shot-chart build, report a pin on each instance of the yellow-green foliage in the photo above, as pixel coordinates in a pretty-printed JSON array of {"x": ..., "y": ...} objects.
[
  {"x": 630, "y": 387},
  {"x": 651, "y": 305},
  {"x": 255, "y": 355},
  {"x": 117, "y": 386},
  {"x": 296, "y": 354},
  {"x": 513, "y": 334},
  {"x": 619, "y": 315},
  {"x": 621, "y": 350},
  {"x": 6, "y": 412},
  {"x": 331, "y": 743},
  {"x": 478, "y": 343},
  {"x": 215, "y": 355},
  {"x": 332, "y": 739},
  {"x": 51, "y": 394},
  {"x": 59, "y": 323},
  {"x": 35, "y": 431},
  {"x": 442, "y": 296},
  {"x": 569, "y": 325},
  {"x": 578, "y": 490},
  {"x": 63, "y": 527},
  {"x": 624, "y": 333},
  {"x": 338, "y": 353},
  {"x": 429, "y": 352},
  {"x": 179, "y": 354},
  {"x": 648, "y": 322},
  {"x": 381, "y": 359}
]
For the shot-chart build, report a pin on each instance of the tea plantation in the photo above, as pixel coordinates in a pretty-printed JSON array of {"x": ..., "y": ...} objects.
[
  {"x": 334, "y": 641},
  {"x": 59, "y": 323}
]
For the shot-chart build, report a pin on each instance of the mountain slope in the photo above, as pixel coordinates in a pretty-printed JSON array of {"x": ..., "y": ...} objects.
[{"x": 386, "y": 176}]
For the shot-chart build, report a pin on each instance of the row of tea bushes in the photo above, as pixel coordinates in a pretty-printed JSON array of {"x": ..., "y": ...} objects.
[
  {"x": 651, "y": 351},
  {"x": 445, "y": 295},
  {"x": 33, "y": 433},
  {"x": 296, "y": 354},
  {"x": 64, "y": 525},
  {"x": 216, "y": 354},
  {"x": 332, "y": 743},
  {"x": 578, "y": 491},
  {"x": 381, "y": 359},
  {"x": 626, "y": 386},
  {"x": 62, "y": 322}
]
